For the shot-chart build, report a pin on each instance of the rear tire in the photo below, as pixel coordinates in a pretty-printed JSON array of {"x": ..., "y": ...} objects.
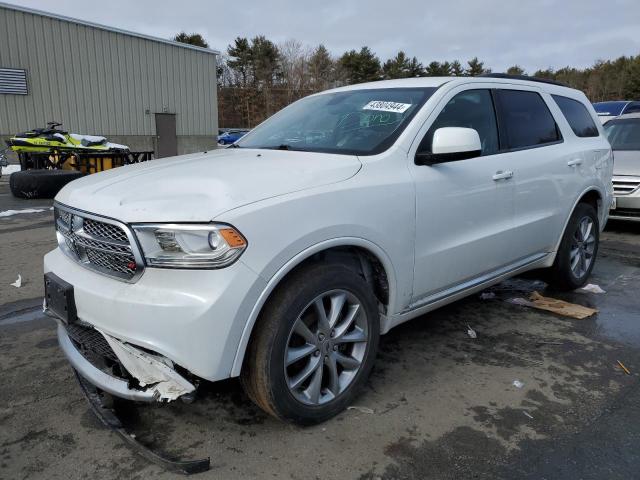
[
  {"x": 40, "y": 183},
  {"x": 578, "y": 249},
  {"x": 292, "y": 341}
]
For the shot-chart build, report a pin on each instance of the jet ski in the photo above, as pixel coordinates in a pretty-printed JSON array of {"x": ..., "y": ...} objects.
[{"x": 51, "y": 139}]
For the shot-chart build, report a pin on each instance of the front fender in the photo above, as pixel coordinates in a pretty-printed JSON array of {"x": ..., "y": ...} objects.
[{"x": 281, "y": 273}]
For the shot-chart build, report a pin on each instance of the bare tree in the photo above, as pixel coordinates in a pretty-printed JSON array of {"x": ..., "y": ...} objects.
[{"x": 294, "y": 65}]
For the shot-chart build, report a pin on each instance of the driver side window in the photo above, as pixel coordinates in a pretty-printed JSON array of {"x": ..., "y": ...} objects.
[{"x": 469, "y": 109}]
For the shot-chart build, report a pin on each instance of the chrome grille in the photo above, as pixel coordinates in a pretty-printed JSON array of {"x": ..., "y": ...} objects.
[
  {"x": 105, "y": 230},
  {"x": 625, "y": 184},
  {"x": 98, "y": 243}
]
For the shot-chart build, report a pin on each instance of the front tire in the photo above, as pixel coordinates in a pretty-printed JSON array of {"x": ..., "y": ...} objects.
[
  {"x": 314, "y": 345},
  {"x": 578, "y": 249}
]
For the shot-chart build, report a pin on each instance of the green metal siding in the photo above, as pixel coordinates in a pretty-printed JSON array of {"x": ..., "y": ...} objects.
[{"x": 97, "y": 81}]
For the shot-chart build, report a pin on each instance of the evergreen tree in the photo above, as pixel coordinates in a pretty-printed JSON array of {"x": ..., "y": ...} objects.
[
  {"x": 358, "y": 67},
  {"x": 192, "y": 39},
  {"x": 321, "y": 68},
  {"x": 476, "y": 67},
  {"x": 456, "y": 69},
  {"x": 515, "y": 70},
  {"x": 397, "y": 67},
  {"x": 240, "y": 60}
]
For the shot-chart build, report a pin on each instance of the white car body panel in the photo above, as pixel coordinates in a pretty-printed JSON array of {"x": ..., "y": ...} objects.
[
  {"x": 440, "y": 231},
  {"x": 184, "y": 189}
]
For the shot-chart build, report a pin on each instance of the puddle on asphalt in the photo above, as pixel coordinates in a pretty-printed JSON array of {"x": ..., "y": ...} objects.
[{"x": 23, "y": 316}]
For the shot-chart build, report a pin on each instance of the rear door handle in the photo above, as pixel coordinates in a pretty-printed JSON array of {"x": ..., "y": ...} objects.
[
  {"x": 500, "y": 175},
  {"x": 574, "y": 163}
]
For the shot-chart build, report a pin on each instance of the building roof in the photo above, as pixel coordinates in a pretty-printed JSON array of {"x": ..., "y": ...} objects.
[{"x": 105, "y": 27}]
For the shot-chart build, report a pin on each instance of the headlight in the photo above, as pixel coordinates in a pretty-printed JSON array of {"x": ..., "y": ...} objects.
[{"x": 190, "y": 245}]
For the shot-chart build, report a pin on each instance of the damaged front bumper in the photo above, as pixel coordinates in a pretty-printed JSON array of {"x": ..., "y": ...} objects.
[{"x": 154, "y": 374}]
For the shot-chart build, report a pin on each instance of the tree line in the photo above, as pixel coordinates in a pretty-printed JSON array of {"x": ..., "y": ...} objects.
[{"x": 257, "y": 77}]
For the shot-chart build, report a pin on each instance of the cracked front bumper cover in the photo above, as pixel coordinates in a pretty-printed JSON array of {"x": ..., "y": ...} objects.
[{"x": 162, "y": 382}]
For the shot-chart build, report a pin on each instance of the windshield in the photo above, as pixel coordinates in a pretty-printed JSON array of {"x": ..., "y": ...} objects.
[
  {"x": 623, "y": 134},
  {"x": 612, "y": 109},
  {"x": 355, "y": 122}
]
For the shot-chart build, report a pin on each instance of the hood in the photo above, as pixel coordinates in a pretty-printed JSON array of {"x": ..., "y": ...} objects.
[
  {"x": 626, "y": 162},
  {"x": 199, "y": 187}
]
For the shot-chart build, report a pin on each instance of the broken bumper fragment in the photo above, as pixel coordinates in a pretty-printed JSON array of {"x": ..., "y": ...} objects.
[{"x": 155, "y": 375}]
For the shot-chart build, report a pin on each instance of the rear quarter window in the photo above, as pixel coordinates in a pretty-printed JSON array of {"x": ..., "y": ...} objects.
[
  {"x": 577, "y": 116},
  {"x": 525, "y": 120}
]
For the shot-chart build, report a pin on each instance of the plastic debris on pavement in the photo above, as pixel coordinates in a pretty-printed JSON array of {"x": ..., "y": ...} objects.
[
  {"x": 362, "y": 409},
  {"x": 487, "y": 295},
  {"x": 518, "y": 384},
  {"x": 18, "y": 282},
  {"x": 555, "y": 306},
  {"x": 625, "y": 369},
  {"x": 471, "y": 332},
  {"x": 520, "y": 301},
  {"x": 591, "y": 288},
  {"x": 527, "y": 414}
]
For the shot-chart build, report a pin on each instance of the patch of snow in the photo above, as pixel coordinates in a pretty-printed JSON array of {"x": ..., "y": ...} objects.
[
  {"x": 116, "y": 145},
  {"x": 9, "y": 169},
  {"x": 9, "y": 213}
]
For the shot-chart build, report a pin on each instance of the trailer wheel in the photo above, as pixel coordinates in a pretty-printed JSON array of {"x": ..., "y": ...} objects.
[{"x": 40, "y": 183}]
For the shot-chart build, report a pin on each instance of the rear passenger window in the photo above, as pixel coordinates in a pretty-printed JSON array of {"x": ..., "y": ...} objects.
[
  {"x": 577, "y": 115},
  {"x": 525, "y": 120}
]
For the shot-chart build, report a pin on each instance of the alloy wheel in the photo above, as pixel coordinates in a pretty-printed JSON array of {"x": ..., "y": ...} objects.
[
  {"x": 326, "y": 347},
  {"x": 582, "y": 247}
]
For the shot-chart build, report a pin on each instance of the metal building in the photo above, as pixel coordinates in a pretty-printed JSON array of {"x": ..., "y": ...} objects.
[{"x": 145, "y": 92}]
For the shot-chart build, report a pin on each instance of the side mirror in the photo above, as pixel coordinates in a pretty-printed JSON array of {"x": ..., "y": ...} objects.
[{"x": 450, "y": 144}]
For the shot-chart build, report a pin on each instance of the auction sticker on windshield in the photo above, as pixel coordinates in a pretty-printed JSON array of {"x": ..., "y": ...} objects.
[{"x": 383, "y": 106}]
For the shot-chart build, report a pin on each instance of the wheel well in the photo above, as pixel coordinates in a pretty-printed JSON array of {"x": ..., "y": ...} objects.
[
  {"x": 361, "y": 261},
  {"x": 592, "y": 197}
]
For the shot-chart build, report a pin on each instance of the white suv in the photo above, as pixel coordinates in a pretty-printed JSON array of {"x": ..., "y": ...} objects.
[{"x": 283, "y": 258}]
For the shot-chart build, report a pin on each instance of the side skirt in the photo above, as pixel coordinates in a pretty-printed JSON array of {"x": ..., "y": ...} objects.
[{"x": 467, "y": 288}]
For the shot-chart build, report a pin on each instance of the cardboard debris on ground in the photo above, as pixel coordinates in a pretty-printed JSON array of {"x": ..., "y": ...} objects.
[{"x": 555, "y": 306}]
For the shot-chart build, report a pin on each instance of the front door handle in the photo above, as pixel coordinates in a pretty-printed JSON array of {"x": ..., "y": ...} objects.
[
  {"x": 503, "y": 175},
  {"x": 575, "y": 162}
]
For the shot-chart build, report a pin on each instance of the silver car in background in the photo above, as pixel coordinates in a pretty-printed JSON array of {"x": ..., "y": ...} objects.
[{"x": 624, "y": 135}]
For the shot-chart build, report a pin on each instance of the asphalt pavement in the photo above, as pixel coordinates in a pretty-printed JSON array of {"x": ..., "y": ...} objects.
[{"x": 439, "y": 405}]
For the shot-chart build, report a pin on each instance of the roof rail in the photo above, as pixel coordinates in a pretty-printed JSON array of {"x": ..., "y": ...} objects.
[{"x": 523, "y": 77}]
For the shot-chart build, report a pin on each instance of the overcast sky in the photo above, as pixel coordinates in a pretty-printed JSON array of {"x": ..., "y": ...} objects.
[{"x": 534, "y": 34}]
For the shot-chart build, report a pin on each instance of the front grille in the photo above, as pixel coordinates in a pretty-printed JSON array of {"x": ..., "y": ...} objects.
[
  {"x": 625, "y": 212},
  {"x": 90, "y": 342},
  {"x": 99, "y": 244},
  {"x": 625, "y": 184},
  {"x": 105, "y": 231}
]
